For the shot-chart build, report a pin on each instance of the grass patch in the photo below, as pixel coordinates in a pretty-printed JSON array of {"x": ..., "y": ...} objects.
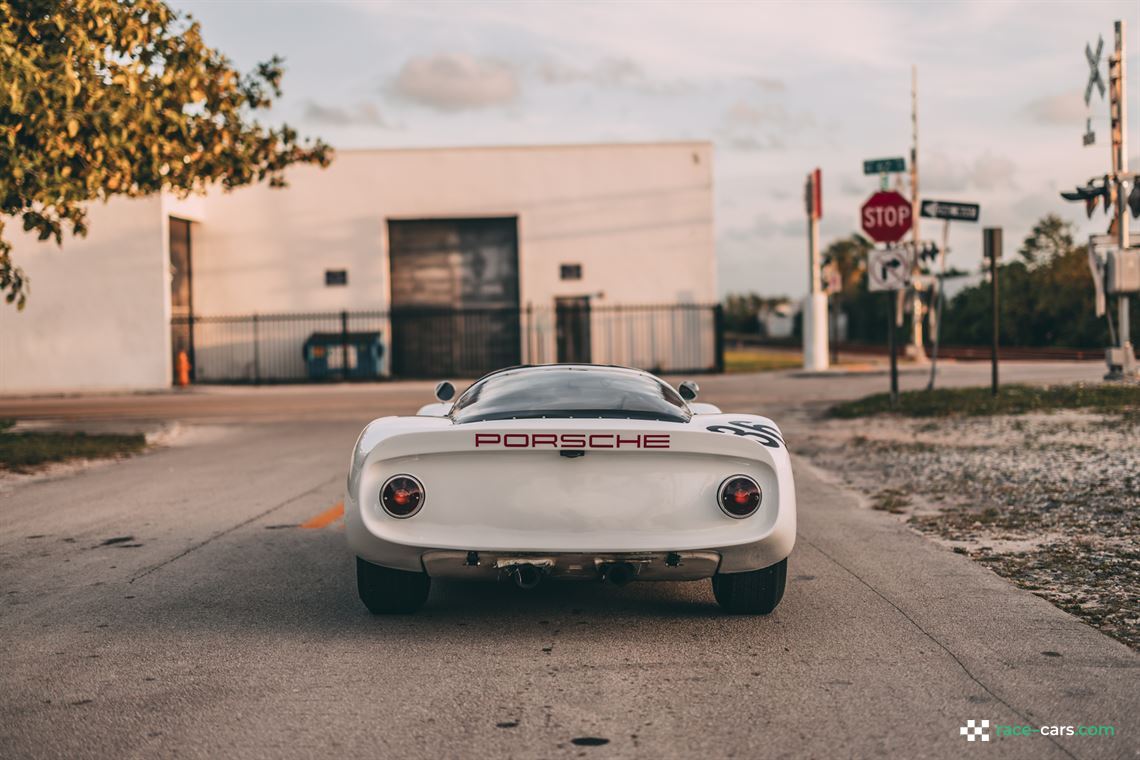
[
  {"x": 890, "y": 500},
  {"x": 751, "y": 360},
  {"x": 20, "y": 452},
  {"x": 1011, "y": 399}
]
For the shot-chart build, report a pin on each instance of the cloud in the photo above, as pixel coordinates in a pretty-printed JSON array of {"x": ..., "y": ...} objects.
[
  {"x": 362, "y": 114},
  {"x": 613, "y": 73},
  {"x": 743, "y": 113},
  {"x": 765, "y": 226},
  {"x": 987, "y": 172},
  {"x": 852, "y": 186},
  {"x": 768, "y": 84},
  {"x": 456, "y": 82},
  {"x": 1064, "y": 109},
  {"x": 749, "y": 126}
]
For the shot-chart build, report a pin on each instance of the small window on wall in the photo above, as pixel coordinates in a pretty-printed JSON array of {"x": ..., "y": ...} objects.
[
  {"x": 336, "y": 277},
  {"x": 571, "y": 271}
]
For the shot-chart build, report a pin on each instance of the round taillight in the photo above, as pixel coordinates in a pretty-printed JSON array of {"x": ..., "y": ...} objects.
[
  {"x": 402, "y": 496},
  {"x": 739, "y": 496}
]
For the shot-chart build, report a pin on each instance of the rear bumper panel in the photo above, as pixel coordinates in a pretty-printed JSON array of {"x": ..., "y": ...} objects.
[
  {"x": 648, "y": 566},
  {"x": 737, "y": 558}
]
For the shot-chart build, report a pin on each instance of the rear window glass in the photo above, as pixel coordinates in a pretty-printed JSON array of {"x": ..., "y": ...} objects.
[{"x": 534, "y": 392}]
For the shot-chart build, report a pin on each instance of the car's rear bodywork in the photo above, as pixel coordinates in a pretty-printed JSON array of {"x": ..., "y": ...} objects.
[{"x": 572, "y": 493}]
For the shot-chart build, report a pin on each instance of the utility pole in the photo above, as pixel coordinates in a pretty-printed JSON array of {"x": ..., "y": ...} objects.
[
  {"x": 915, "y": 350},
  {"x": 1118, "y": 112},
  {"x": 814, "y": 312}
]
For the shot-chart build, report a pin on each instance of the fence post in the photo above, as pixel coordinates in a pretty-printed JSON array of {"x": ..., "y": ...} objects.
[
  {"x": 256, "y": 352},
  {"x": 528, "y": 338},
  {"x": 344, "y": 345},
  {"x": 718, "y": 327}
]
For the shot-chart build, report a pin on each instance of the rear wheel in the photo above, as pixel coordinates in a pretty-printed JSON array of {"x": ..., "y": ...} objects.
[
  {"x": 756, "y": 592},
  {"x": 385, "y": 591}
]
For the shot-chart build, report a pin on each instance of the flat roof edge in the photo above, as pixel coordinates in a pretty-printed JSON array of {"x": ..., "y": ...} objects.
[{"x": 539, "y": 146}]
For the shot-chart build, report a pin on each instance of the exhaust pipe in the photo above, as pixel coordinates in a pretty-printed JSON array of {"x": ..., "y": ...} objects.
[
  {"x": 618, "y": 573},
  {"x": 526, "y": 576}
]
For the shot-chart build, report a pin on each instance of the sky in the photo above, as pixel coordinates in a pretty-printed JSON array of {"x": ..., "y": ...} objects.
[{"x": 779, "y": 89}]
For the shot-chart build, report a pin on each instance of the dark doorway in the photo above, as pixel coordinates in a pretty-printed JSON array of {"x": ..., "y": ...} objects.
[
  {"x": 455, "y": 296},
  {"x": 573, "y": 328},
  {"x": 181, "y": 295}
]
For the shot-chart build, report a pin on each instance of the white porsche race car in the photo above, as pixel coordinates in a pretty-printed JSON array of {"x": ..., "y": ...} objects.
[{"x": 571, "y": 471}]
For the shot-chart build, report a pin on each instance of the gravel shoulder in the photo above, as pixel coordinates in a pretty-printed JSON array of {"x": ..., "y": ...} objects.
[{"x": 1049, "y": 501}]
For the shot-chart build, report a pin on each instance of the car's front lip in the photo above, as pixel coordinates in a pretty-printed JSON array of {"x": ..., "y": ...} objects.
[{"x": 647, "y": 566}]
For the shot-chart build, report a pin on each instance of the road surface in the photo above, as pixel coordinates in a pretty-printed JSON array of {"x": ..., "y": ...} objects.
[{"x": 173, "y": 605}]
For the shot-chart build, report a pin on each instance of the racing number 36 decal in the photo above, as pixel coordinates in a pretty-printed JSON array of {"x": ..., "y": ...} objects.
[{"x": 765, "y": 434}]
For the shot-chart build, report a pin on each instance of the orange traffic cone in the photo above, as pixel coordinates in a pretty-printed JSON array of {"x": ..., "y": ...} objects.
[{"x": 183, "y": 366}]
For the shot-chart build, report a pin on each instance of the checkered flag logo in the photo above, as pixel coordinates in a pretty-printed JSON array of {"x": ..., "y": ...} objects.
[{"x": 975, "y": 730}]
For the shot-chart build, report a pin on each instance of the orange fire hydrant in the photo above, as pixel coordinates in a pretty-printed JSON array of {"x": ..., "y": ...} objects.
[{"x": 183, "y": 366}]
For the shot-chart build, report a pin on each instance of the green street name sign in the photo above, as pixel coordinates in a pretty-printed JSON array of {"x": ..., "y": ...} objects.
[{"x": 884, "y": 165}]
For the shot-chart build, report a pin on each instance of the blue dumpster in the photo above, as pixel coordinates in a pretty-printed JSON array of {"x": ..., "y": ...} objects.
[{"x": 343, "y": 355}]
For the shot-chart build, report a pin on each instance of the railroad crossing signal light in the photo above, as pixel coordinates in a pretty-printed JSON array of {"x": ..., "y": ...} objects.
[
  {"x": 1134, "y": 198},
  {"x": 1085, "y": 193},
  {"x": 1091, "y": 195}
]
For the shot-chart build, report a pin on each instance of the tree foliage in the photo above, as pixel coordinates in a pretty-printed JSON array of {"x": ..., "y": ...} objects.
[
  {"x": 1046, "y": 297},
  {"x": 121, "y": 97},
  {"x": 742, "y": 311}
]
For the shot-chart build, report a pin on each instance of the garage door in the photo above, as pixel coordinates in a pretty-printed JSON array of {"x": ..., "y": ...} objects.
[{"x": 455, "y": 296}]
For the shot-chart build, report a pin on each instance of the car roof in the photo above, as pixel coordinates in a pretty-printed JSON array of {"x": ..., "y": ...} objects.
[
  {"x": 580, "y": 366},
  {"x": 568, "y": 390}
]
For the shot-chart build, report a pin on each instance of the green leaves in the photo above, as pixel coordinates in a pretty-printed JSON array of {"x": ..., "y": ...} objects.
[{"x": 121, "y": 97}]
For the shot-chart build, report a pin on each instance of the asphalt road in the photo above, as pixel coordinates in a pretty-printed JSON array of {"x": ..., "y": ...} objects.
[{"x": 171, "y": 605}]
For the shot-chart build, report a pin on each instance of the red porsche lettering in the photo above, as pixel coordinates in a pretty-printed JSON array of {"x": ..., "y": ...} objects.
[{"x": 573, "y": 440}]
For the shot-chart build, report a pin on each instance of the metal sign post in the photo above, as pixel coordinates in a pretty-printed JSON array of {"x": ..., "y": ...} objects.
[
  {"x": 992, "y": 245},
  {"x": 893, "y": 348},
  {"x": 947, "y": 211},
  {"x": 889, "y": 270}
]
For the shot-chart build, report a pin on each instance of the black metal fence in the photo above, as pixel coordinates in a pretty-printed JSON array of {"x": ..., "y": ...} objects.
[{"x": 438, "y": 343}]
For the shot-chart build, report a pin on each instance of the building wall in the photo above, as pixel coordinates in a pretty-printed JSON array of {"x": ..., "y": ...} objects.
[
  {"x": 638, "y": 218},
  {"x": 97, "y": 314}
]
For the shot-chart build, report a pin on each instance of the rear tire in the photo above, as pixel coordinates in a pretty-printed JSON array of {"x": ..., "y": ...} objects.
[
  {"x": 756, "y": 592},
  {"x": 385, "y": 591}
]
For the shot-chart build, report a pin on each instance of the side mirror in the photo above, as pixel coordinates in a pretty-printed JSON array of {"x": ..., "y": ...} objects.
[
  {"x": 688, "y": 390},
  {"x": 445, "y": 391}
]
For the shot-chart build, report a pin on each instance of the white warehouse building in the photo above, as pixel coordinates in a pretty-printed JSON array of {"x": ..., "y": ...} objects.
[{"x": 412, "y": 263}]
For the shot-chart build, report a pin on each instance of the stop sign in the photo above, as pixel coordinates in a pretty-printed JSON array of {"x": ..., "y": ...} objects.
[{"x": 886, "y": 217}]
